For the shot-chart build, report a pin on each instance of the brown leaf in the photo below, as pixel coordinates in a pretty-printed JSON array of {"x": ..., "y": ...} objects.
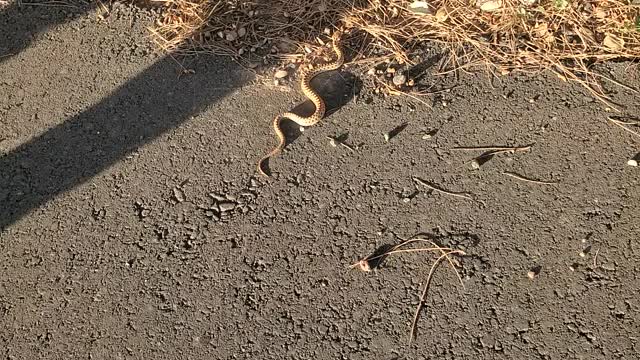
[{"x": 613, "y": 43}]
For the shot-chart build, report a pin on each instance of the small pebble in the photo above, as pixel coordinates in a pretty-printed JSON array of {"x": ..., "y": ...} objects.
[
  {"x": 632, "y": 162},
  {"x": 231, "y": 36},
  {"x": 281, "y": 74},
  {"x": 178, "y": 195},
  {"x": 387, "y": 137},
  {"x": 217, "y": 197},
  {"x": 227, "y": 206},
  {"x": 399, "y": 79},
  {"x": 475, "y": 164}
]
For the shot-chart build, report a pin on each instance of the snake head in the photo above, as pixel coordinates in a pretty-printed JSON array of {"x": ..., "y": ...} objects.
[{"x": 336, "y": 36}]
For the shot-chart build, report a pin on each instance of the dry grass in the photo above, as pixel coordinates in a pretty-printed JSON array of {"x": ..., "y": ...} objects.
[{"x": 564, "y": 36}]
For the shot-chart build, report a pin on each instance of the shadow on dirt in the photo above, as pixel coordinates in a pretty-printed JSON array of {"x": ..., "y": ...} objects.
[
  {"x": 155, "y": 101},
  {"x": 22, "y": 22},
  {"x": 152, "y": 103}
]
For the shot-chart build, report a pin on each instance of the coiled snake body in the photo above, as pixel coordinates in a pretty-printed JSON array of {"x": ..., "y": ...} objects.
[{"x": 320, "y": 107}]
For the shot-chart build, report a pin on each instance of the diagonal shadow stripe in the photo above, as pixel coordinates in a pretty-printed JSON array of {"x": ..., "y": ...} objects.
[{"x": 145, "y": 107}]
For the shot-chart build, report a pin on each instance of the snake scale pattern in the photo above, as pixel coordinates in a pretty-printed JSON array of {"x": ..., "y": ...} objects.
[{"x": 320, "y": 107}]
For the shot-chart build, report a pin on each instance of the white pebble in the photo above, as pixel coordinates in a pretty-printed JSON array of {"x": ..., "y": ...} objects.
[
  {"x": 632, "y": 162},
  {"x": 231, "y": 36},
  {"x": 281, "y": 74}
]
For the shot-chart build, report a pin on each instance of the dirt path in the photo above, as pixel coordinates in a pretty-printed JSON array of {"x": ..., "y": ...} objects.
[{"x": 133, "y": 226}]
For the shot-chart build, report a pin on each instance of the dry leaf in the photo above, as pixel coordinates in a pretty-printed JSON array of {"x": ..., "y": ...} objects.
[
  {"x": 541, "y": 30},
  {"x": 600, "y": 13},
  {"x": 442, "y": 14},
  {"x": 489, "y": 5},
  {"x": 613, "y": 43},
  {"x": 421, "y": 7}
]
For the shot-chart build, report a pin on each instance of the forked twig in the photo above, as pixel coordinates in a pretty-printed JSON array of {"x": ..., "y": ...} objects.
[
  {"x": 445, "y": 252},
  {"x": 421, "y": 304}
]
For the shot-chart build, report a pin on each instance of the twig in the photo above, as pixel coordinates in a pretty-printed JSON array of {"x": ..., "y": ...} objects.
[
  {"x": 623, "y": 124},
  {"x": 463, "y": 195},
  {"x": 336, "y": 141},
  {"x": 399, "y": 252},
  {"x": 51, "y": 4},
  {"x": 520, "y": 177},
  {"x": 595, "y": 259},
  {"x": 494, "y": 149},
  {"x": 443, "y": 250},
  {"x": 425, "y": 291}
]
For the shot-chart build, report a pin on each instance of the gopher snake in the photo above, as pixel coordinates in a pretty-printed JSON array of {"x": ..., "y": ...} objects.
[{"x": 321, "y": 108}]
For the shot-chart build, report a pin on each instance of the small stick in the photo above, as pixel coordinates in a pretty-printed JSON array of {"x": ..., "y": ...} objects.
[
  {"x": 463, "y": 195},
  {"x": 595, "y": 259},
  {"x": 398, "y": 252},
  {"x": 623, "y": 123},
  {"x": 494, "y": 149},
  {"x": 424, "y": 292},
  {"x": 520, "y": 177},
  {"x": 341, "y": 143}
]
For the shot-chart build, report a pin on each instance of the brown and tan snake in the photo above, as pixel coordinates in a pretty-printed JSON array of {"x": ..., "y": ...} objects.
[{"x": 308, "y": 91}]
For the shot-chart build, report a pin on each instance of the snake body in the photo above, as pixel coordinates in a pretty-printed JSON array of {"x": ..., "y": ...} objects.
[{"x": 307, "y": 90}]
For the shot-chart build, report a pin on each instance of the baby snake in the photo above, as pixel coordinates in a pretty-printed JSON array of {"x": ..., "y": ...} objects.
[{"x": 321, "y": 108}]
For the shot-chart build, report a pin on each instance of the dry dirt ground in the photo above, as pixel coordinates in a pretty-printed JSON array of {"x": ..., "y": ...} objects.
[{"x": 133, "y": 225}]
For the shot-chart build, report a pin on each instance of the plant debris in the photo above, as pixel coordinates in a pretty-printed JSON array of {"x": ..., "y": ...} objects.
[
  {"x": 374, "y": 261},
  {"x": 563, "y": 36}
]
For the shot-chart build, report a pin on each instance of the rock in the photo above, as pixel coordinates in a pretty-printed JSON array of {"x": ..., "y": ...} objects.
[
  {"x": 400, "y": 79},
  {"x": 227, "y": 206},
  {"x": 231, "y": 36},
  {"x": 281, "y": 74},
  {"x": 217, "y": 197},
  {"x": 178, "y": 194},
  {"x": 632, "y": 162},
  {"x": 212, "y": 215}
]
